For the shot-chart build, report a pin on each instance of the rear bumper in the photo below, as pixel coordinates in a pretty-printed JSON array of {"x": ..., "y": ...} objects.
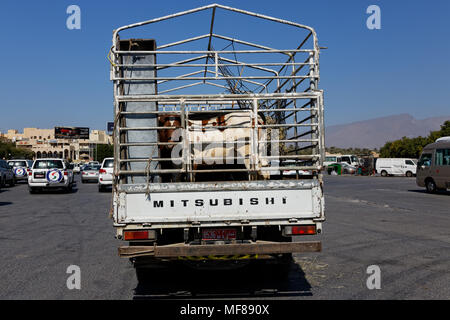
[
  {"x": 48, "y": 185},
  {"x": 90, "y": 178},
  {"x": 105, "y": 183},
  {"x": 184, "y": 250}
]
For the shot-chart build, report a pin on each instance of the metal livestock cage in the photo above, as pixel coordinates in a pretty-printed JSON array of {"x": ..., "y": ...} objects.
[{"x": 259, "y": 107}]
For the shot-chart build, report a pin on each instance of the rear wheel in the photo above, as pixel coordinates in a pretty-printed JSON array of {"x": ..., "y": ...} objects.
[
  {"x": 384, "y": 173},
  {"x": 409, "y": 174},
  {"x": 100, "y": 188},
  {"x": 12, "y": 182},
  {"x": 431, "y": 186},
  {"x": 31, "y": 190}
]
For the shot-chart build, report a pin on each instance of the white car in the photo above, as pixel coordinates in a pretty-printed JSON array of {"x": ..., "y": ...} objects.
[
  {"x": 50, "y": 173},
  {"x": 293, "y": 173},
  {"x": 20, "y": 168},
  {"x": 105, "y": 175}
]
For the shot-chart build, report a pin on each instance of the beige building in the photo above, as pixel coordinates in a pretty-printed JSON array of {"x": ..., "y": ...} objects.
[{"x": 43, "y": 144}]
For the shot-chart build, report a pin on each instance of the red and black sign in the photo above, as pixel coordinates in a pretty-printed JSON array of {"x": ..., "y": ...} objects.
[{"x": 71, "y": 133}]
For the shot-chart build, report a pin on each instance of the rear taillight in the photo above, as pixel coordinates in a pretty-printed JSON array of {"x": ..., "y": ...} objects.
[
  {"x": 102, "y": 171},
  {"x": 300, "y": 230},
  {"x": 139, "y": 235},
  {"x": 65, "y": 173}
]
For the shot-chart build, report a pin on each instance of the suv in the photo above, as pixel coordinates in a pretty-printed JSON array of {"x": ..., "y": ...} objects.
[
  {"x": 105, "y": 174},
  {"x": 51, "y": 174},
  {"x": 20, "y": 168},
  {"x": 6, "y": 174}
]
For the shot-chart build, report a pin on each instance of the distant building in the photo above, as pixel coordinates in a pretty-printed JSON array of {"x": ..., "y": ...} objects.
[{"x": 43, "y": 144}]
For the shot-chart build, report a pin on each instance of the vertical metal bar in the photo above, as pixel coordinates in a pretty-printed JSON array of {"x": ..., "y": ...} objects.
[
  {"x": 255, "y": 139},
  {"x": 216, "y": 60},
  {"x": 210, "y": 39},
  {"x": 313, "y": 87}
]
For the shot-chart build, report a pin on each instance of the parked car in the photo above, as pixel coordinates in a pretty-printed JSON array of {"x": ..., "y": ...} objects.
[
  {"x": 20, "y": 168},
  {"x": 90, "y": 173},
  {"x": 50, "y": 173},
  {"x": 348, "y": 169},
  {"x": 105, "y": 174},
  {"x": 293, "y": 173},
  {"x": 6, "y": 174},
  {"x": 396, "y": 166}
]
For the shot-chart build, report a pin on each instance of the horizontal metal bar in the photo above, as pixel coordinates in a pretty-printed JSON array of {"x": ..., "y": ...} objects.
[
  {"x": 288, "y": 140},
  {"x": 217, "y": 111},
  {"x": 177, "y": 64},
  {"x": 211, "y": 52},
  {"x": 146, "y": 144},
  {"x": 296, "y": 156},
  {"x": 212, "y": 78},
  {"x": 212, "y": 97},
  {"x": 184, "y": 250},
  {"x": 220, "y": 186},
  {"x": 147, "y": 159}
]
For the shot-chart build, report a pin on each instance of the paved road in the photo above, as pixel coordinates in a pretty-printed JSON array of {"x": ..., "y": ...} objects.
[{"x": 387, "y": 222}]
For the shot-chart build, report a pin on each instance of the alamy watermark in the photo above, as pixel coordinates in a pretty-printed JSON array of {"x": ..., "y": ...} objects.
[
  {"x": 374, "y": 279},
  {"x": 374, "y": 20},
  {"x": 74, "y": 280},
  {"x": 73, "y": 21}
]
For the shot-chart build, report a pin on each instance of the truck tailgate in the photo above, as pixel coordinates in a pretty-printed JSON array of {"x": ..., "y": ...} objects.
[{"x": 224, "y": 202}]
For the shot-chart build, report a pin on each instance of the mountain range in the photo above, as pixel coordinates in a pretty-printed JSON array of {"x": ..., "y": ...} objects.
[{"x": 374, "y": 133}]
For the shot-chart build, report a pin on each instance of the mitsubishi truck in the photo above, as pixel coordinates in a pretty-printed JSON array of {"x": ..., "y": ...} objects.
[{"x": 203, "y": 125}]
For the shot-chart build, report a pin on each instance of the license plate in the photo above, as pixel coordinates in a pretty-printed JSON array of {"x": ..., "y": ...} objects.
[
  {"x": 219, "y": 234},
  {"x": 39, "y": 175}
]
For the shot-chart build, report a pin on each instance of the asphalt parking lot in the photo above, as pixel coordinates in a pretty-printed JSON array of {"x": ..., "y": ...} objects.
[{"x": 388, "y": 222}]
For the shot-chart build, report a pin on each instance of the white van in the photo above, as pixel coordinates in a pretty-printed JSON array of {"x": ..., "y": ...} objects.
[
  {"x": 331, "y": 159},
  {"x": 351, "y": 159},
  {"x": 396, "y": 166}
]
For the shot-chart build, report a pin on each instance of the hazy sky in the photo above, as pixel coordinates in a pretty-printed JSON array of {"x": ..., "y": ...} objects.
[{"x": 51, "y": 76}]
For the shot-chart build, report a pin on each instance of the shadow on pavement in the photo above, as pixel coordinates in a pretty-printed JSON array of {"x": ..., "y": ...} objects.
[
  {"x": 5, "y": 203},
  {"x": 442, "y": 193},
  {"x": 56, "y": 191},
  {"x": 255, "y": 280}
]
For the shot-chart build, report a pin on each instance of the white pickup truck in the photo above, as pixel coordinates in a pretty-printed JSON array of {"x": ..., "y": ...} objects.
[{"x": 192, "y": 179}]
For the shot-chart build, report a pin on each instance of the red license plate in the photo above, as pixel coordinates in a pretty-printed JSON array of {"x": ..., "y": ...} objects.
[{"x": 219, "y": 234}]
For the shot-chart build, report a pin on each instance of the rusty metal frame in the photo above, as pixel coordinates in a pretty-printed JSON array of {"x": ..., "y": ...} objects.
[
  {"x": 278, "y": 100},
  {"x": 185, "y": 250}
]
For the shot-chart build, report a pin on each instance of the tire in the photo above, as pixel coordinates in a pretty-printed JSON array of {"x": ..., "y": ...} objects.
[
  {"x": 409, "y": 174},
  {"x": 83, "y": 181},
  {"x": 101, "y": 188},
  {"x": 384, "y": 173},
  {"x": 12, "y": 182},
  {"x": 31, "y": 190},
  {"x": 431, "y": 186}
]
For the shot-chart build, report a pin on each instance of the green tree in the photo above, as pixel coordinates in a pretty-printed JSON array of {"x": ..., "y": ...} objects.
[
  {"x": 9, "y": 151},
  {"x": 412, "y": 147},
  {"x": 104, "y": 151}
]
